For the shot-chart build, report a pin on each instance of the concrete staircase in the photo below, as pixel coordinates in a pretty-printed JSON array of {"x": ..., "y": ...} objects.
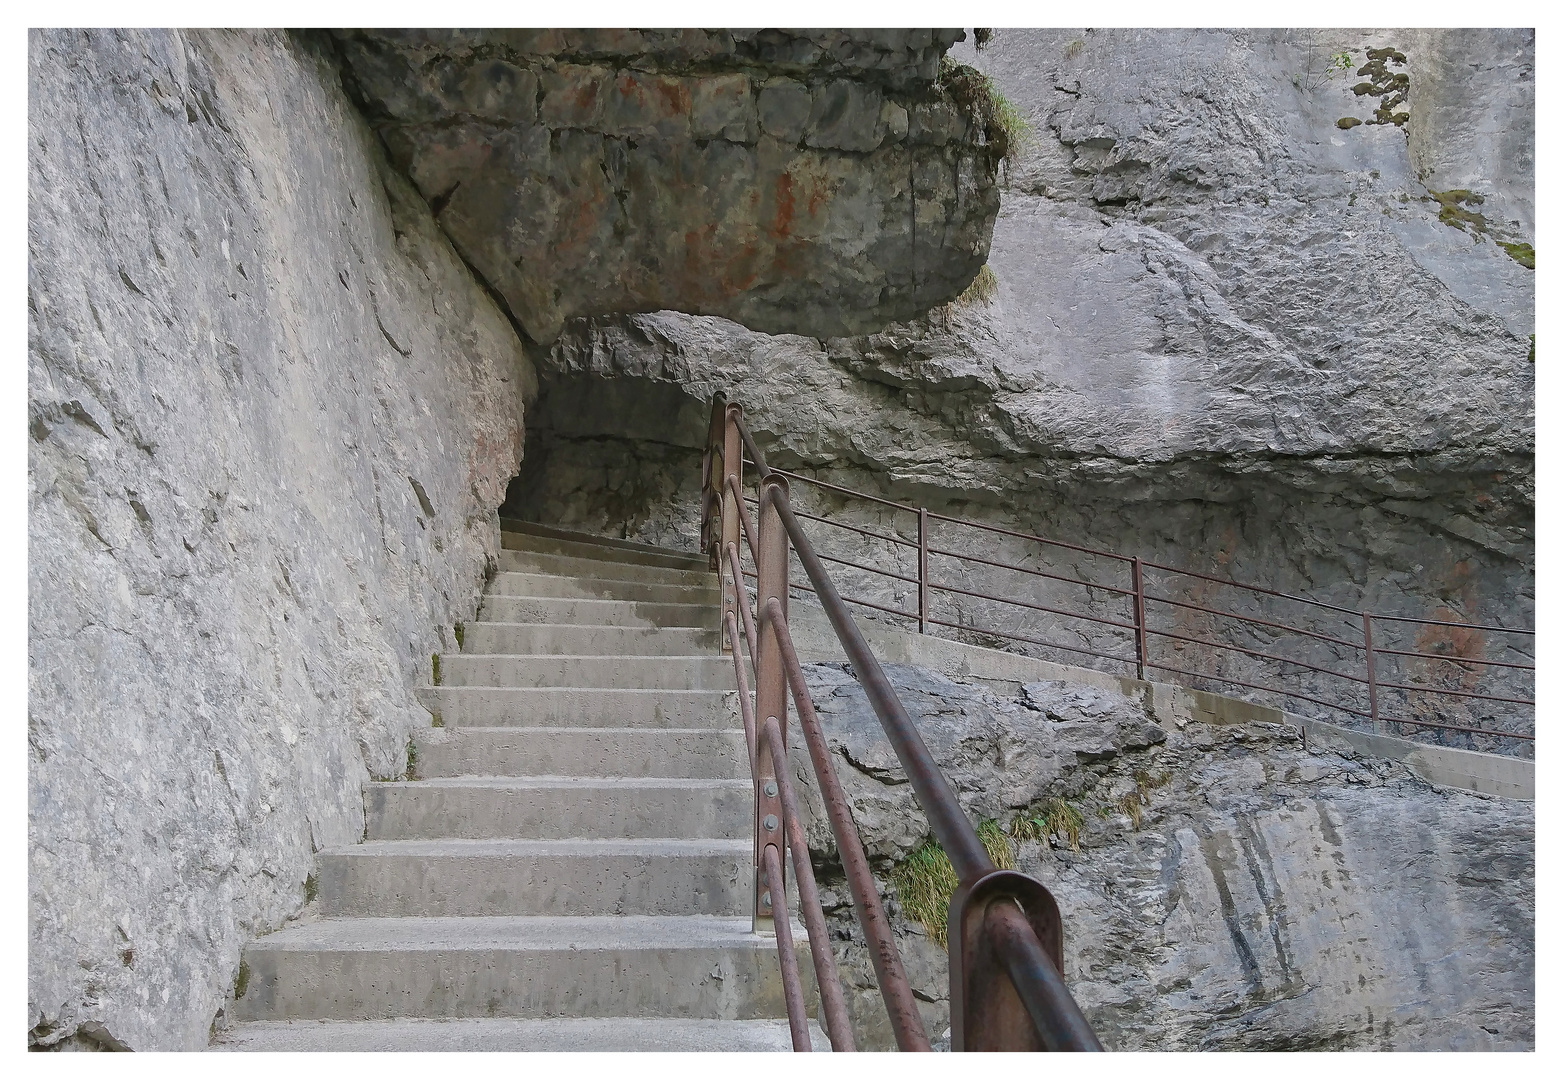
[{"x": 570, "y": 866}]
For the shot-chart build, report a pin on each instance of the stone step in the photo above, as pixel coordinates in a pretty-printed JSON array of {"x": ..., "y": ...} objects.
[
  {"x": 536, "y": 877},
  {"x": 526, "y": 536},
  {"x": 558, "y": 808},
  {"x": 516, "y": 583},
  {"x": 578, "y": 612},
  {"x": 571, "y": 706},
  {"x": 604, "y": 672},
  {"x": 689, "y": 967},
  {"x": 542, "y": 562},
  {"x": 696, "y": 753},
  {"x": 615, "y": 1034},
  {"x": 548, "y": 638}
]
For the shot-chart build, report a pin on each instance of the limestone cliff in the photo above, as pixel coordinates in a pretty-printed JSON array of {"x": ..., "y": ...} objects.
[
  {"x": 1222, "y": 331},
  {"x": 1221, "y": 887},
  {"x": 271, "y": 414}
]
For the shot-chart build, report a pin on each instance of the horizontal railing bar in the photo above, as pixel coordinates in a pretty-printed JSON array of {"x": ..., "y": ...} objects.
[
  {"x": 1457, "y": 727},
  {"x": 1029, "y": 570},
  {"x": 1454, "y": 693},
  {"x": 866, "y": 532},
  {"x": 1458, "y": 625},
  {"x": 755, "y": 454},
  {"x": 1034, "y": 607},
  {"x": 869, "y": 569},
  {"x": 1255, "y": 686},
  {"x": 1454, "y": 659},
  {"x": 1030, "y": 536},
  {"x": 1253, "y": 652},
  {"x": 1031, "y": 641},
  {"x": 1354, "y": 613},
  {"x": 842, "y": 490},
  {"x": 1256, "y": 621}
]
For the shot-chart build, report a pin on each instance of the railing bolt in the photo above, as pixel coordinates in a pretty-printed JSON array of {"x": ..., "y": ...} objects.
[
  {"x": 770, "y": 821},
  {"x": 770, "y": 789}
]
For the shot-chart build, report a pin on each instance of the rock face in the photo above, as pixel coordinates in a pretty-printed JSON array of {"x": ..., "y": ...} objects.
[
  {"x": 1225, "y": 334},
  {"x": 1231, "y": 889},
  {"x": 811, "y": 181},
  {"x": 271, "y": 414}
]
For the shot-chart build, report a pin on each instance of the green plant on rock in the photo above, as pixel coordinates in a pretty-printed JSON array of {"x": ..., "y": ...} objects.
[
  {"x": 412, "y": 760},
  {"x": 436, "y": 665},
  {"x": 461, "y": 636},
  {"x": 1007, "y": 128},
  {"x": 925, "y": 880},
  {"x": 1521, "y": 253},
  {"x": 981, "y": 289},
  {"x": 1053, "y": 817},
  {"x": 1454, "y": 209}
]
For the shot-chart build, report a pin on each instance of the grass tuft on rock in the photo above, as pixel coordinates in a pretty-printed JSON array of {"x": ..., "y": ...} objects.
[
  {"x": 981, "y": 289},
  {"x": 1007, "y": 128},
  {"x": 925, "y": 880},
  {"x": 1054, "y": 817}
]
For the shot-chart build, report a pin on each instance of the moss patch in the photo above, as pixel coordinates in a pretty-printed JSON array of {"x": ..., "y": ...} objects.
[
  {"x": 1454, "y": 208},
  {"x": 412, "y": 760},
  {"x": 435, "y": 661},
  {"x": 1523, "y": 254},
  {"x": 1390, "y": 87},
  {"x": 1346, "y": 123}
]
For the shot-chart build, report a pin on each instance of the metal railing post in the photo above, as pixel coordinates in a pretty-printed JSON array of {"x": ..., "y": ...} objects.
[
  {"x": 1367, "y": 647},
  {"x": 922, "y": 569},
  {"x": 711, "y": 474},
  {"x": 1139, "y": 620},
  {"x": 770, "y": 700},
  {"x": 732, "y": 466}
]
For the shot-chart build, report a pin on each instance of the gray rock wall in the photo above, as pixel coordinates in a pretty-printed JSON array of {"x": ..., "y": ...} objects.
[
  {"x": 801, "y": 181},
  {"x": 271, "y": 415},
  {"x": 1231, "y": 888},
  {"x": 1225, "y": 334}
]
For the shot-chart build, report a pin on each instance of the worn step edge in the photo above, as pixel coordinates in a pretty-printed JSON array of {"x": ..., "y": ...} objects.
[{"x": 565, "y": 1034}]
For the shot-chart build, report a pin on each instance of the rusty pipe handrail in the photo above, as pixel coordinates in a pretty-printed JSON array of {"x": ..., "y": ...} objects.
[
  {"x": 934, "y": 794},
  {"x": 828, "y": 979},
  {"x": 949, "y": 823},
  {"x": 792, "y": 982},
  {"x": 894, "y": 987},
  {"x": 838, "y": 1026}
]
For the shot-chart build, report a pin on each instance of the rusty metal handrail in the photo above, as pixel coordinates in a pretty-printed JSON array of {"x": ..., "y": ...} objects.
[
  {"x": 838, "y": 1027},
  {"x": 1053, "y": 1019},
  {"x": 1282, "y": 673}
]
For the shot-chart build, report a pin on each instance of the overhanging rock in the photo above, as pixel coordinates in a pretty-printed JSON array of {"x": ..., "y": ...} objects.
[{"x": 819, "y": 182}]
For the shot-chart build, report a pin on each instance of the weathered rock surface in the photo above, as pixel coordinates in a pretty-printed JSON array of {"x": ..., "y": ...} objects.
[
  {"x": 808, "y": 181},
  {"x": 271, "y": 414},
  {"x": 1225, "y": 335},
  {"x": 1268, "y": 898}
]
